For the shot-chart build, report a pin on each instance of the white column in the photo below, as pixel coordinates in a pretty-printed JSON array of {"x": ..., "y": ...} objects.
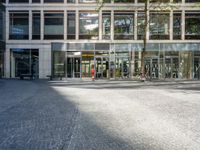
[
  {"x": 42, "y": 24},
  {"x": 65, "y": 1},
  {"x": 42, "y": 1},
  {"x": 7, "y": 1},
  {"x": 135, "y": 25},
  {"x": 7, "y": 62},
  {"x": 7, "y": 19},
  {"x": 30, "y": 24},
  {"x": 30, "y": 1},
  {"x": 171, "y": 25},
  {"x": 77, "y": 24},
  {"x": 112, "y": 25},
  {"x": 183, "y": 25},
  {"x": 148, "y": 22},
  {"x": 65, "y": 25},
  {"x": 100, "y": 24}
]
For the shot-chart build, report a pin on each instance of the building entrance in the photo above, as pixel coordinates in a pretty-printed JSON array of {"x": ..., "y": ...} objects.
[
  {"x": 101, "y": 67},
  {"x": 151, "y": 68},
  {"x": 122, "y": 67},
  {"x": 171, "y": 67},
  {"x": 197, "y": 68},
  {"x": 73, "y": 67}
]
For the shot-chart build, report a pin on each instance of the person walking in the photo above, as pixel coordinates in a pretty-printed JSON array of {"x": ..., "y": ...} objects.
[{"x": 93, "y": 72}]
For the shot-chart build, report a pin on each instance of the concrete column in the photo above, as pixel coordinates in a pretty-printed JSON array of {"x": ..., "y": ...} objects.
[
  {"x": 30, "y": 24},
  {"x": 42, "y": 1},
  {"x": 112, "y": 25},
  {"x": 183, "y": 25},
  {"x": 100, "y": 25},
  {"x": 7, "y": 1},
  {"x": 65, "y": 25},
  {"x": 171, "y": 25},
  {"x": 65, "y": 1},
  {"x": 42, "y": 25},
  {"x": 135, "y": 25},
  {"x": 7, "y": 19},
  {"x": 30, "y": 1},
  {"x": 148, "y": 20},
  {"x": 77, "y": 24},
  {"x": 7, "y": 62}
]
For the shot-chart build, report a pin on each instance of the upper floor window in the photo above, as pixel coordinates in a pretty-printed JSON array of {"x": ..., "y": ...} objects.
[
  {"x": 71, "y": 25},
  {"x": 53, "y": 1},
  {"x": 35, "y": 1},
  {"x": 177, "y": 1},
  {"x": 106, "y": 24},
  {"x": 192, "y": 25},
  {"x": 192, "y": 1},
  {"x": 123, "y": 25},
  {"x": 177, "y": 25},
  {"x": 36, "y": 26},
  {"x": 124, "y": 1},
  {"x": 18, "y": 1},
  {"x": 1, "y": 25},
  {"x": 159, "y": 26},
  {"x": 87, "y": 1},
  {"x": 140, "y": 25},
  {"x": 19, "y": 25},
  {"x": 53, "y": 25},
  {"x": 88, "y": 25}
]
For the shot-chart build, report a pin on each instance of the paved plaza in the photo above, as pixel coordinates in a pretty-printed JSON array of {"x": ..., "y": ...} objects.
[{"x": 99, "y": 115}]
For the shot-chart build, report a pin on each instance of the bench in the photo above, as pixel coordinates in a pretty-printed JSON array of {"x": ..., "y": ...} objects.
[
  {"x": 50, "y": 77},
  {"x": 22, "y": 76}
]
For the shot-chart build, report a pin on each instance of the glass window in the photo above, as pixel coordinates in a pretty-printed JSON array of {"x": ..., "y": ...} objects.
[
  {"x": 1, "y": 25},
  {"x": 140, "y": 25},
  {"x": 177, "y": 1},
  {"x": 36, "y": 26},
  {"x": 192, "y": 25},
  {"x": 71, "y": 25},
  {"x": 18, "y": 1},
  {"x": 192, "y": 1},
  {"x": 53, "y": 1},
  {"x": 53, "y": 26},
  {"x": 19, "y": 26},
  {"x": 123, "y": 25},
  {"x": 159, "y": 26},
  {"x": 70, "y": 1},
  {"x": 177, "y": 26},
  {"x": 88, "y": 25},
  {"x": 58, "y": 63},
  {"x": 124, "y": 1},
  {"x": 35, "y": 1},
  {"x": 106, "y": 24},
  {"x": 87, "y": 1}
]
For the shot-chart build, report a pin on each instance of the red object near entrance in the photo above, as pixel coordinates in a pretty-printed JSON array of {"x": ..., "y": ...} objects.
[{"x": 93, "y": 73}]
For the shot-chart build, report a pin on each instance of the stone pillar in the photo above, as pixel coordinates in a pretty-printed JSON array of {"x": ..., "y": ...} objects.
[
  {"x": 112, "y": 25},
  {"x": 65, "y": 25},
  {"x": 30, "y": 24},
  {"x": 135, "y": 25},
  {"x": 183, "y": 25},
  {"x": 42, "y": 24},
  {"x": 7, "y": 62},
  {"x": 7, "y": 19},
  {"x": 100, "y": 25},
  {"x": 171, "y": 25},
  {"x": 77, "y": 24}
]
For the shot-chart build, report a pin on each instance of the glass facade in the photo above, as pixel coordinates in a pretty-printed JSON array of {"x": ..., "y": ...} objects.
[
  {"x": 123, "y": 25},
  {"x": 106, "y": 24},
  {"x": 159, "y": 26},
  {"x": 71, "y": 25},
  {"x": 192, "y": 25},
  {"x": 19, "y": 25},
  {"x": 177, "y": 26},
  {"x": 88, "y": 25},
  {"x": 53, "y": 25},
  {"x": 36, "y": 26}
]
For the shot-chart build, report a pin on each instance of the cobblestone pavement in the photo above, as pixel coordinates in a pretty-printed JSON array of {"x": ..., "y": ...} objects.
[{"x": 100, "y": 115}]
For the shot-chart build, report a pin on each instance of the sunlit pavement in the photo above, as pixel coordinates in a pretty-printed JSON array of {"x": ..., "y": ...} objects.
[{"x": 99, "y": 115}]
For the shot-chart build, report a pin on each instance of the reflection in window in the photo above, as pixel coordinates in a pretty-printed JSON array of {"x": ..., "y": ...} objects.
[
  {"x": 177, "y": 1},
  {"x": 53, "y": 26},
  {"x": 124, "y": 1},
  {"x": 53, "y": 1},
  {"x": 123, "y": 25},
  {"x": 18, "y": 1},
  {"x": 71, "y": 25},
  {"x": 140, "y": 25},
  {"x": 70, "y": 1},
  {"x": 1, "y": 25},
  {"x": 177, "y": 26},
  {"x": 192, "y": 1},
  {"x": 35, "y": 1},
  {"x": 87, "y": 1},
  {"x": 36, "y": 26},
  {"x": 106, "y": 23},
  {"x": 19, "y": 27},
  {"x": 88, "y": 26},
  {"x": 192, "y": 26},
  {"x": 58, "y": 63},
  {"x": 159, "y": 26}
]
